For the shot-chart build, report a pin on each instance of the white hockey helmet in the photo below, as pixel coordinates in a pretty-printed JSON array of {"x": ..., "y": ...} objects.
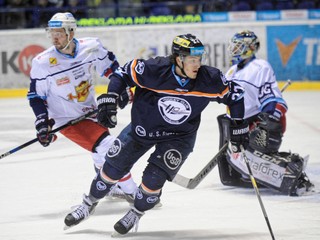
[
  {"x": 63, "y": 20},
  {"x": 243, "y": 45}
]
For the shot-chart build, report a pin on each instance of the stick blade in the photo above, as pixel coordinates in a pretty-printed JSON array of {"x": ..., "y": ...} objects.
[{"x": 182, "y": 181}]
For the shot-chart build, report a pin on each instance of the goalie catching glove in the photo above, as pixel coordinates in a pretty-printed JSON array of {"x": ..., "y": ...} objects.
[
  {"x": 44, "y": 126},
  {"x": 107, "y": 109},
  {"x": 239, "y": 135},
  {"x": 267, "y": 136}
]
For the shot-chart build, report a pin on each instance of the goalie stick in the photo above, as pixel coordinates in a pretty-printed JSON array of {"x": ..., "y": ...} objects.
[{"x": 191, "y": 183}]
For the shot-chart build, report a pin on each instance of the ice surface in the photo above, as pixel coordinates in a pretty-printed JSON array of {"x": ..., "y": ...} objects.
[{"x": 38, "y": 186}]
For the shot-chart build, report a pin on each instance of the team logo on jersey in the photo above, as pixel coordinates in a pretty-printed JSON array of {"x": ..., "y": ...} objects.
[
  {"x": 172, "y": 158},
  {"x": 82, "y": 92},
  {"x": 62, "y": 81},
  {"x": 174, "y": 110},
  {"x": 115, "y": 148},
  {"x": 53, "y": 61},
  {"x": 139, "y": 67},
  {"x": 140, "y": 131}
]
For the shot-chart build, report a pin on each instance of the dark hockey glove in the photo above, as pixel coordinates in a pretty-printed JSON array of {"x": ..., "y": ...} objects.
[
  {"x": 267, "y": 136},
  {"x": 44, "y": 126},
  {"x": 239, "y": 135},
  {"x": 125, "y": 98},
  {"x": 107, "y": 109}
]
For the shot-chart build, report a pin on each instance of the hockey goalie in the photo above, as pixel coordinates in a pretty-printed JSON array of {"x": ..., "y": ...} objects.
[{"x": 265, "y": 111}]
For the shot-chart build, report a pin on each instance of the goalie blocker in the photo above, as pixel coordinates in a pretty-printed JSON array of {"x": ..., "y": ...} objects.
[{"x": 282, "y": 171}]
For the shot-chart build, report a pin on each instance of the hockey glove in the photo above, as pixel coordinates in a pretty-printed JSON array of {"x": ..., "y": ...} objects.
[
  {"x": 107, "y": 110},
  {"x": 125, "y": 98},
  {"x": 113, "y": 67},
  {"x": 239, "y": 135},
  {"x": 267, "y": 136},
  {"x": 44, "y": 126}
]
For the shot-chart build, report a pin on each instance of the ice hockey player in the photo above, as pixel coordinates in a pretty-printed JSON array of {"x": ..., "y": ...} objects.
[
  {"x": 171, "y": 92},
  {"x": 265, "y": 110},
  {"x": 61, "y": 89}
]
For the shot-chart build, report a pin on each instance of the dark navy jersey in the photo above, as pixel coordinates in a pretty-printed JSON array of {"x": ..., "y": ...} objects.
[{"x": 168, "y": 106}]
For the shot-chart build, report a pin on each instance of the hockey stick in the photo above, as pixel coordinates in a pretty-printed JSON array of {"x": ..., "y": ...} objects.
[
  {"x": 255, "y": 186},
  {"x": 72, "y": 122},
  {"x": 191, "y": 183},
  {"x": 288, "y": 83}
]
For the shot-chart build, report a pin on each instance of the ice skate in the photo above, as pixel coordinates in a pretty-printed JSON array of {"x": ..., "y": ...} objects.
[
  {"x": 129, "y": 221},
  {"x": 80, "y": 213},
  {"x": 303, "y": 187}
]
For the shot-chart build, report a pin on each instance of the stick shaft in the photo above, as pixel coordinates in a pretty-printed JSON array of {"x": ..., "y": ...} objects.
[
  {"x": 72, "y": 122},
  {"x": 255, "y": 186}
]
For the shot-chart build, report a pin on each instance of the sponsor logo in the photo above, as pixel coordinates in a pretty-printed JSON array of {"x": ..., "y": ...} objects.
[
  {"x": 140, "y": 131},
  {"x": 139, "y": 194},
  {"x": 114, "y": 149},
  {"x": 174, "y": 110},
  {"x": 62, "y": 81},
  {"x": 172, "y": 158},
  {"x": 152, "y": 199},
  {"x": 82, "y": 92},
  {"x": 101, "y": 186},
  {"x": 107, "y": 100},
  {"x": 26, "y": 56},
  {"x": 78, "y": 73},
  {"x": 53, "y": 61},
  {"x": 265, "y": 92},
  {"x": 286, "y": 50}
]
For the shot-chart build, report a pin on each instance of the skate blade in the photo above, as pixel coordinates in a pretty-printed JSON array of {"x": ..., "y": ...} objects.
[
  {"x": 66, "y": 227},
  {"x": 115, "y": 234}
]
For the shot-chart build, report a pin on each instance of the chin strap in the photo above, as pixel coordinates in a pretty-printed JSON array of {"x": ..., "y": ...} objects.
[
  {"x": 182, "y": 70},
  {"x": 69, "y": 41}
]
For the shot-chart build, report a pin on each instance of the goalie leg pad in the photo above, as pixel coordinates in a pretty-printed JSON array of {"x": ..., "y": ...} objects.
[
  {"x": 224, "y": 129},
  {"x": 228, "y": 176}
]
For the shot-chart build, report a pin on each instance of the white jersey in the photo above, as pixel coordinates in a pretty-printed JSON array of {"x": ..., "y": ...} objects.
[
  {"x": 259, "y": 82},
  {"x": 66, "y": 82}
]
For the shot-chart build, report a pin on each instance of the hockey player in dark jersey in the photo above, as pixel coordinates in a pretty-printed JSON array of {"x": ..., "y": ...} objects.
[{"x": 171, "y": 93}]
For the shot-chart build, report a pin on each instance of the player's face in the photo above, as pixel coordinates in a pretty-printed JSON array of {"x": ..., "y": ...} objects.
[
  {"x": 59, "y": 38},
  {"x": 191, "y": 66}
]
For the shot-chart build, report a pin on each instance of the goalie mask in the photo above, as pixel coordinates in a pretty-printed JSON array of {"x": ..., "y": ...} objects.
[{"x": 243, "y": 45}]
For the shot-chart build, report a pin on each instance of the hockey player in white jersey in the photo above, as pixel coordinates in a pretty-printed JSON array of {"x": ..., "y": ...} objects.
[
  {"x": 62, "y": 89},
  {"x": 265, "y": 110}
]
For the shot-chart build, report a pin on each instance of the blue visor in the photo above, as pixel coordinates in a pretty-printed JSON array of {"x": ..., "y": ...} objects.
[{"x": 196, "y": 51}]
